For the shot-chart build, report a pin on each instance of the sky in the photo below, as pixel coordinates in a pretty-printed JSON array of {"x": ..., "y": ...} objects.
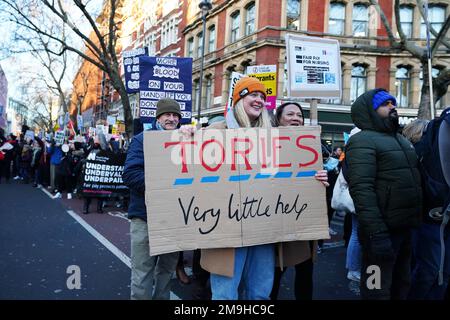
[{"x": 14, "y": 66}]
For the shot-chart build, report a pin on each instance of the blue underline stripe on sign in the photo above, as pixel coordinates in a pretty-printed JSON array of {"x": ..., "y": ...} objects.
[
  {"x": 306, "y": 174},
  {"x": 283, "y": 174},
  {"x": 262, "y": 175},
  {"x": 184, "y": 181},
  {"x": 210, "y": 179},
  {"x": 241, "y": 177}
]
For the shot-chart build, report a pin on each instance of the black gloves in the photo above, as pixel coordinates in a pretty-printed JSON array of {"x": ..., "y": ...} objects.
[{"x": 380, "y": 247}]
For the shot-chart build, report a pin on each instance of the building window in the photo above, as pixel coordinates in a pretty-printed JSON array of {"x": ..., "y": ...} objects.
[
  {"x": 199, "y": 44},
  {"x": 359, "y": 81},
  {"x": 293, "y": 15},
  {"x": 402, "y": 83},
  {"x": 208, "y": 92},
  {"x": 150, "y": 42},
  {"x": 360, "y": 24},
  {"x": 190, "y": 47},
  {"x": 235, "y": 24},
  {"x": 250, "y": 19},
  {"x": 169, "y": 32},
  {"x": 336, "y": 23},
  {"x": 406, "y": 20},
  {"x": 436, "y": 17},
  {"x": 196, "y": 95},
  {"x": 212, "y": 39}
]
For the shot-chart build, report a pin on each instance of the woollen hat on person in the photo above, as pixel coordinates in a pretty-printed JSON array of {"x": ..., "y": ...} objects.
[
  {"x": 245, "y": 86},
  {"x": 381, "y": 97},
  {"x": 167, "y": 105}
]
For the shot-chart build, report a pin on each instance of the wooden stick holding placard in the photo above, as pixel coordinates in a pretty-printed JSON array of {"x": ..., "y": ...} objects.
[{"x": 313, "y": 114}]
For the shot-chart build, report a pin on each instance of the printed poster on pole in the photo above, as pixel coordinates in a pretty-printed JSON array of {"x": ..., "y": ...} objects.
[
  {"x": 165, "y": 77},
  {"x": 314, "y": 67}
]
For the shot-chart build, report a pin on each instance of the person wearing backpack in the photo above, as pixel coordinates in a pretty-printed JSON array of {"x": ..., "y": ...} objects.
[
  {"x": 385, "y": 185},
  {"x": 431, "y": 241}
]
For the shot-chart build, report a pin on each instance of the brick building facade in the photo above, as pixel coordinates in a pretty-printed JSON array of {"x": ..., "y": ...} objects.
[{"x": 240, "y": 33}]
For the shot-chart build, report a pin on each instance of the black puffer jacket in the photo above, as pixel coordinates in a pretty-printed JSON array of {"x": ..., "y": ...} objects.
[{"x": 383, "y": 173}]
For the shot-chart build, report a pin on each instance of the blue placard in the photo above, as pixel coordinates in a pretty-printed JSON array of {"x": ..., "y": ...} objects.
[
  {"x": 165, "y": 77},
  {"x": 131, "y": 68}
]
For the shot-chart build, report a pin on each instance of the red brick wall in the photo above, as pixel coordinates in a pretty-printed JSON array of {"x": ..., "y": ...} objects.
[
  {"x": 387, "y": 8},
  {"x": 316, "y": 15},
  {"x": 218, "y": 80},
  {"x": 220, "y": 32},
  {"x": 269, "y": 13},
  {"x": 267, "y": 55},
  {"x": 382, "y": 74}
]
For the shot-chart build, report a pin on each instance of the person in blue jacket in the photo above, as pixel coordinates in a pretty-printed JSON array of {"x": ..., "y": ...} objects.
[
  {"x": 150, "y": 276},
  {"x": 56, "y": 156}
]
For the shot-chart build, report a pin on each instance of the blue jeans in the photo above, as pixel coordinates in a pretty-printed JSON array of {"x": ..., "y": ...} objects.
[
  {"x": 427, "y": 254},
  {"x": 353, "y": 261},
  {"x": 254, "y": 269}
]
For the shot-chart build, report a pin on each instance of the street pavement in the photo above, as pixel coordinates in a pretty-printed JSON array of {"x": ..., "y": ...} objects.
[{"x": 42, "y": 238}]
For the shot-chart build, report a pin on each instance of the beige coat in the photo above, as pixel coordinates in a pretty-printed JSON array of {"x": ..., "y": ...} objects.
[{"x": 221, "y": 261}]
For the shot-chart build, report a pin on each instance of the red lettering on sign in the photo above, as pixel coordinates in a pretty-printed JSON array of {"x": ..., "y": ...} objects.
[
  {"x": 263, "y": 153},
  {"x": 241, "y": 152},
  {"x": 183, "y": 152},
  {"x": 316, "y": 155},
  {"x": 207, "y": 167}
]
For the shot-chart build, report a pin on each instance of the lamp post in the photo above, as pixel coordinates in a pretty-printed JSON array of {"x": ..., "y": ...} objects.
[{"x": 205, "y": 6}]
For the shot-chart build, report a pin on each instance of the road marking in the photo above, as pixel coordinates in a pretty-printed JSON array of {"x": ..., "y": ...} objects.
[
  {"x": 116, "y": 251},
  {"x": 118, "y": 214},
  {"x": 47, "y": 193}
]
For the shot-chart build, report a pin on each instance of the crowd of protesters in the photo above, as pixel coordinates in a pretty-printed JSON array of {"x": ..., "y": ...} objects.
[
  {"x": 44, "y": 163},
  {"x": 388, "y": 219}
]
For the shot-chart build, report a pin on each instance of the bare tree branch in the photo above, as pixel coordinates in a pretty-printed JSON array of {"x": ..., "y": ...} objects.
[{"x": 440, "y": 38}]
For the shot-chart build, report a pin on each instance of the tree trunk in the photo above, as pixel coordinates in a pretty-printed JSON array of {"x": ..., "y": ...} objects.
[
  {"x": 120, "y": 87},
  {"x": 424, "y": 106}
]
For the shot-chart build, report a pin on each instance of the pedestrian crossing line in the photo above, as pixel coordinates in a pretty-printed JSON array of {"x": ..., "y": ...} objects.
[
  {"x": 47, "y": 193},
  {"x": 114, "y": 250},
  {"x": 118, "y": 214}
]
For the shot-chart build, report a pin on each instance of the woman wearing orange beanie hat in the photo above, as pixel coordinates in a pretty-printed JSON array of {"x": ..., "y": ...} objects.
[{"x": 252, "y": 266}]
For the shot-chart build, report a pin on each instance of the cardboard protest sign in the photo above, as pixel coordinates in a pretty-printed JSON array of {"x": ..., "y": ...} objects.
[
  {"x": 59, "y": 137},
  {"x": 233, "y": 188},
  {"x": 131, "y": 68},
  {"x": 102, "y": 129},
  {"x": 267, "y": 74},
  {"x": 29, "y": 134},
  {"x": 79, "y": 122},
  {"x": 165, "y": 77},
  {"x": 111, "y": 120},
  {"x": 102, "y": 175},
  {"x": 235, "y": 76},
  {"x": 314, "y": 67},
  {"x": 92, "y": 132}
]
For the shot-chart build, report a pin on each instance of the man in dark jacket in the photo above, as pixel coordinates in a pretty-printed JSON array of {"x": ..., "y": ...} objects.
[
  {"x": 385, "y": 186},
  {"x": 146, "y": 269}
]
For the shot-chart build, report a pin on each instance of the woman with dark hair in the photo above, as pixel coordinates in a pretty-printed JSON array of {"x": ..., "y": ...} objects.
[{"x": 291, "y": 114}]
